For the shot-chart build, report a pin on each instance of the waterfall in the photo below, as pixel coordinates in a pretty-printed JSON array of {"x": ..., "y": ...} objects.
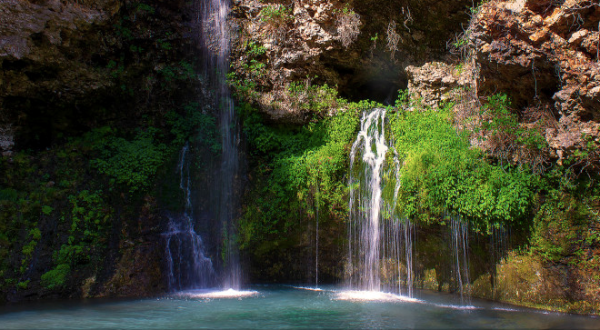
[
  {"x": 216, "y": 44},
  {"x": 378, "y": 241},
  {"x": 187, "y": 266}
]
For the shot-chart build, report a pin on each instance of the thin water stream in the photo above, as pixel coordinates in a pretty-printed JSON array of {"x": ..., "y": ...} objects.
[{"x": 277, "y": 307}]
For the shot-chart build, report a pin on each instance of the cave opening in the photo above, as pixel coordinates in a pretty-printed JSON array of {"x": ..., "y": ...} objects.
[{"x": 377, "y": 86}]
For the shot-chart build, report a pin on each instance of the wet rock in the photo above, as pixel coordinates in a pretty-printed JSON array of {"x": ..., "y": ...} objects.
[{"x": 6, "y": 140}]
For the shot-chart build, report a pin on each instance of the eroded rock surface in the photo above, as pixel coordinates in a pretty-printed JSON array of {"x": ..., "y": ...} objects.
[
  {"x": 544, "y": 55},
  {"x": 361, "y": 47},
  {"x": 437, "y": 82}
]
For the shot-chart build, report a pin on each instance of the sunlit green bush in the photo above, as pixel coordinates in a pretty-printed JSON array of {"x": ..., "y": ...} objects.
[{"x": 442, "y": 173}]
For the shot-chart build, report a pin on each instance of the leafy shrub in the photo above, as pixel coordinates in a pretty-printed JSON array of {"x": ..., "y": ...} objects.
[
  {"x": 133, "y": 163},
  {"x": 442, "y": 173},
  {"x": 56, "y": 277},
  {"x": 307, "y": 97},
  {"x": 504, "y": 137},
  {"x": 275, "y": 14},
  {"x": 23, "y": 285}
]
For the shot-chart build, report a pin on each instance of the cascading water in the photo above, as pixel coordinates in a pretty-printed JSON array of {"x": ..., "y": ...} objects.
[
  {"x": 216, "y": 40},
  {"x": 378, "y": 241},
  {"x": 187, "y": 265}
]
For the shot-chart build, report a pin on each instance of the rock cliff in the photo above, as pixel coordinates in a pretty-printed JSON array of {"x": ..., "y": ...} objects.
[
  {"x": 544, "y": 55},
  {"x": 359, "y": 47},
  {"x": 70, "y": 69}
]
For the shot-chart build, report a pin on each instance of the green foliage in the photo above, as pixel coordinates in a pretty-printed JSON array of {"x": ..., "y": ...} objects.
[
  {"x": 567, "y": 224},
  {"x": 89, "y": 217},
  {"x": 146, "y": 8},
  {"x": 47, "y": 209},
  {"x": 8, "y": 194},
  {"x": 346, "y": 10},
  {"x": 586, "y": 155},
  {"x": 502, "y": 126},
  {"x": 275, "y": 14},
  {"x": 181, "y": 71},
  {"x": 123, "y": 31},
  {"x": 442, "y": 173},
  {"x": 165, "y": 45},
  {"x": 246, "y": 80},
  {"x": 194, "y": 126},
  {"x": 312, "y": 98},
  {"x": 23, "y": 285},
  {"x": 254, "y": 49},
  {"x": 461, "y": 41},
  {"x": 133, "y": 163},
  {"x": 299, "y": 170},
  {"x": 56, "y": 277},
  {"x": 27, "y": 251}
]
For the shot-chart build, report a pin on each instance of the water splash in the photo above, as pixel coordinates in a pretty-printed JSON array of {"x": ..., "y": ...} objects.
[
  {"x": 372, "y": 296},
  {"x": 187, "y": 265},
  {"x": 209, "y": 294}
]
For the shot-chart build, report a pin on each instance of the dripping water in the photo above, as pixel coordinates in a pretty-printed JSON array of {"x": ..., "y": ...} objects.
[
  {"x": 317, "y": 241},
  {"x": 460, "y": 244}
]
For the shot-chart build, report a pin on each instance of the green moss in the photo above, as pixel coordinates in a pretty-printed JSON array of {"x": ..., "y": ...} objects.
[
  {"x": 23, "y": 285},
  {"x": 56, "y": 277}
]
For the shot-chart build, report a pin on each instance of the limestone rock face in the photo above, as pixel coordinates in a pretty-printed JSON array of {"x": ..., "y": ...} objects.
[
  {"x": 65, "y": 62},
  {"x": 45, "y": 53},
  {"x": 48, "y": 33},
  {"x": 436, "y": 82},
  {"x": 544, "y": 54},
  {"x": 362, "y": 47}
]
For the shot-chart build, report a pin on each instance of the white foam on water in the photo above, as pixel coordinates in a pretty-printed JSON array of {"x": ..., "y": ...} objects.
[
  {"x": 504, "y": 309},
  {"x": 458, "y": 307},
  {"x": 208, "y": 294},
  {"x": 373, "y": 296},
  {"x": 308, "y": 288}
]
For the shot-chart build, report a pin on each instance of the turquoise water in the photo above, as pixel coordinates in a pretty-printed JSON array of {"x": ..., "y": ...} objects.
[{"x": 275, "y": 307}]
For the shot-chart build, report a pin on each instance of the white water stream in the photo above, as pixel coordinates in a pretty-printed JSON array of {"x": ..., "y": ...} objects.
[
  {"x": 187, "y": 265},
  {"x": 380, "y": 243},
  {"x": 216, "y": 44}
]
